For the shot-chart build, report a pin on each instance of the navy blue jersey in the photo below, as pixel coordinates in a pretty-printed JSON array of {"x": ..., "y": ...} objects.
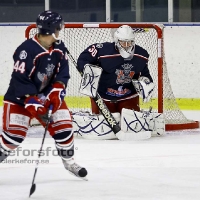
[
  {"x": 116, "y": 79},
  {"x": 35, "y": 69}
]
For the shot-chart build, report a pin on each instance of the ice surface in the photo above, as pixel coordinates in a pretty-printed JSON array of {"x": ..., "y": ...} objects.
[{"x": 160, "y": 168}]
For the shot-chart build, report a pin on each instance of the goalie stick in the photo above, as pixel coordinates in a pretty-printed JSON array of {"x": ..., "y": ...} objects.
[
  {"x": 33, "y": 185},
  {"x": 109, "y": 117}
]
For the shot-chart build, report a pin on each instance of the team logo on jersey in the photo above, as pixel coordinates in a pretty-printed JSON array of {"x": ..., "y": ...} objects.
[
  {"x": 49, "y": 69},
  {"x": 119, "y": 92},
  {"x": 23, "y": 55},
  {"x": 100, "y": 45},
  {"x": 45, "y": 77},
  {"x": 125, "y": 75}
]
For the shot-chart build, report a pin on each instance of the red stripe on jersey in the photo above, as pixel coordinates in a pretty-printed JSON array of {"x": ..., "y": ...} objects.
[
  {"x": 129, "y": 97},
  {"x": 116, "y": 55},
  {"x": 138, "y": 55},
  {"x": 110, "y": 56}
]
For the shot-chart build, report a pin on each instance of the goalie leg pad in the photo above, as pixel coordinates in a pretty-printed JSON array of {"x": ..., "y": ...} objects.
[
  {"x": 143, "y": 121},
  {"x": 93, "y": 127},
  {"x": 90, "y": 80},
  {"x": 157, "y": 124},
  {"x": 133, "y": 121}
]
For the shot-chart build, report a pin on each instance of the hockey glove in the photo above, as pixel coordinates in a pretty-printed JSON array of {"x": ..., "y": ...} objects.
[
  {"x": 55, "y": 96},
  {"x": 144, "y": 87},
  {"x": 34, "y": 106}
]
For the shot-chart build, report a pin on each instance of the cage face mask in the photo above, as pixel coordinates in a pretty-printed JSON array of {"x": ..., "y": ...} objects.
[{"x": 124, "y": 39}]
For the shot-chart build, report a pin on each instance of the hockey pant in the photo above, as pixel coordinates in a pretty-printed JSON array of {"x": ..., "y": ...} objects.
[
  {"x": 16, "y": 120},
  {"x": 131, "y": 103}
]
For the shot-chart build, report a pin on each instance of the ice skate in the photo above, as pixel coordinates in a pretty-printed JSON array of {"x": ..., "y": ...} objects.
[{"x": 75, "y": 169}]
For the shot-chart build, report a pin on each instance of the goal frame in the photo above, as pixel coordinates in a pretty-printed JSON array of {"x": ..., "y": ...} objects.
[{"x": 160, "y": 61}]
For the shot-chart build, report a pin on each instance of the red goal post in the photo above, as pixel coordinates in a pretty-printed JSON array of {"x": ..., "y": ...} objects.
[{"x": 150, "y": 36}]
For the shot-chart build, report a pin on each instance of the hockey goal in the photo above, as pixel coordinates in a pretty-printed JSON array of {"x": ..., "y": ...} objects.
[{"x": 150, "y": 36}]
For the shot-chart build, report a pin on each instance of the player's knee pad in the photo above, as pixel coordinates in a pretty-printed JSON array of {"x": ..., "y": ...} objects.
[
  {"x": 60, "y": 127},
  {"x": 93, "y": 126},
  {"x": 61, "y": 131}
]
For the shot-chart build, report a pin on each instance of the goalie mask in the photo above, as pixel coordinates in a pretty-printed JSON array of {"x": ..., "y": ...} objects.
[
  {"x": 49, "y": 22},
  {"x": 124, "y": 39}
]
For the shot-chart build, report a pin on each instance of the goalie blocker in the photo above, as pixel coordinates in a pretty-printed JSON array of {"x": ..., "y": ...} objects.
[
  {"x": 90, "y": 80},
  {"x": 142, "y": 124}
]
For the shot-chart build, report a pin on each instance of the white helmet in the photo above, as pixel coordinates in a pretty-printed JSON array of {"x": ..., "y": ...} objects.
[{"x": 125, "y": 35}]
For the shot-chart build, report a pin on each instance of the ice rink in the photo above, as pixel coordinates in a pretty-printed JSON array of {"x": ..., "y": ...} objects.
[{"x": 160, "y": 168}]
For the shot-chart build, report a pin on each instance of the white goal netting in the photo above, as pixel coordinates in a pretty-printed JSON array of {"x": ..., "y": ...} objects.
[{"x": 79, "y": 36}]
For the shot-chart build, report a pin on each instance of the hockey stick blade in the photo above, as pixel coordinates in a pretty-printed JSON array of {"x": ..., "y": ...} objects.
[{"x": 32, "y": 190}]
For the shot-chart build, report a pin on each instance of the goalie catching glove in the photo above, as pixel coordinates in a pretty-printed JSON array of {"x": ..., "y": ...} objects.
[
  {"x": 144, "y": 87},
  {"x": 35, "y": 106},
  {"x": 55, "y": 96}
]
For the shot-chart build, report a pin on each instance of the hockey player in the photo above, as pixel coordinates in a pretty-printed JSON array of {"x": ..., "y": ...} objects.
[
  {"x": 125, "y": 72},
  {"x": 119, "y": 72},
  {"x": 40, "y": 68}
]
